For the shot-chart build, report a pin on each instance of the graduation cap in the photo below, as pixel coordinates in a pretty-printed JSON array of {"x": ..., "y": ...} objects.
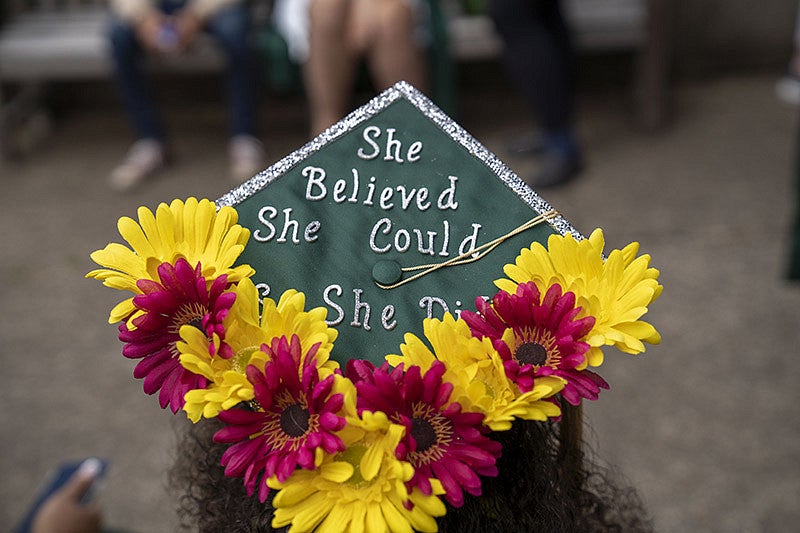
[
  {"x": 392, "y": 215},
  {"x": 389, "y": 223}
]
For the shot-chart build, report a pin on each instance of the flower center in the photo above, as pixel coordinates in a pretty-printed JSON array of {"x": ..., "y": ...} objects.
[
  {"x": 353, "y": 455},
  {"x": 294, "y": 420},
  {"x": 190, "y": 314},
  {"x": 433, "y": 432},
  {"x": 288, "y": 422},
  {"x": 423, "y": 433},
  {"x": 538, "y": 348},
  {"x": 241, "y": 359},
  {"x": 531, "y": 353}
]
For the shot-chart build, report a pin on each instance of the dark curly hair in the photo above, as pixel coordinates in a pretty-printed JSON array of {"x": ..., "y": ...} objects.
[{"x": 546, "y": 483}]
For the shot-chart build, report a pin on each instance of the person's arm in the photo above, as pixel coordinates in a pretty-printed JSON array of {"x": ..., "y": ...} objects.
[
  {"x": 132, "y": 10},
  {"x": 191, "y": 19},
  {"x": 202, "y": 9},
  {"x": 63, "y": 512},
  {"x": 145, "y": 18}
]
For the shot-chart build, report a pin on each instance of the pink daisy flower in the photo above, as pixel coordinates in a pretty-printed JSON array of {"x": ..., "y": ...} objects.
[
  {"x": 182, "y": 297},
  {"x": 545, "y": 338},
  {"x": 441, "y": 440},
  {"x": 294, "y": 417}
]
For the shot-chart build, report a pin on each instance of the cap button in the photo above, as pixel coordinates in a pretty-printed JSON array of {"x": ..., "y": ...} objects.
[{"x": 387, "y": 272}]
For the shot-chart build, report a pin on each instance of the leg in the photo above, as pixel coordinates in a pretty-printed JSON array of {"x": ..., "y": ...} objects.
[
  {"x": 539, "y": 60},
  {"x": 231, "y": 28},
  {"x": 538, "y": 56},
  {"x": 384, "y": 30},
  {"x": 130, "y": 80},
  {"x": 331, "y": 64},
  {"x": 148, "y": 154}
]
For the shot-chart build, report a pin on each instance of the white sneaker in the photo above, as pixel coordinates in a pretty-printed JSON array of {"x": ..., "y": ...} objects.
[
  {"x": 788, "y": 90},
  {"x": 247, "y": 157},
  {"x": 145, "y": 158}
]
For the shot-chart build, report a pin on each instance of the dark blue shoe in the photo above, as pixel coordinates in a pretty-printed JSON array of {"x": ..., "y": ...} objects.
[{"x": 555, "y": 168}]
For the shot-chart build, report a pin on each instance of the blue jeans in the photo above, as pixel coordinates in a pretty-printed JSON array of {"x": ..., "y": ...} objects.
[{"x": 230, "y": 28}]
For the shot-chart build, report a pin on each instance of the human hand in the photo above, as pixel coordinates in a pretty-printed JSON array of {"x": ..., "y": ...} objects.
[
  {"x": 63, "y": 512},
  {"x": 148, "y": 30},
  {"x": 188, "y": 25}
]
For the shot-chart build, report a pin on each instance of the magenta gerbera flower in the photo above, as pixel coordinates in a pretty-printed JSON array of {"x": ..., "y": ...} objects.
[
  {"x": 441, "y": 440},
  {"x": 538, "y": 336},
  {"x": 294, "y": 418},
  {"x": 182, "y": 297}
]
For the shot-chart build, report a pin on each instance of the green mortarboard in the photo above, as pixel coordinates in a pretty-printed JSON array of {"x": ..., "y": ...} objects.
[{"x": 392, "y": 215}]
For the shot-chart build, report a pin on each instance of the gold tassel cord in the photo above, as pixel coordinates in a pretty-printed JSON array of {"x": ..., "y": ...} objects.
[{"x": 474, "y": 254}]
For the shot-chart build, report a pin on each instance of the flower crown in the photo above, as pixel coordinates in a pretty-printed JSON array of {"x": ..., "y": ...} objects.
[{"x": 364, "y": 448}]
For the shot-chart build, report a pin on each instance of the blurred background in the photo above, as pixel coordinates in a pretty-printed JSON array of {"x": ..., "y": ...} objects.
[{"x": 687, "y": 120}]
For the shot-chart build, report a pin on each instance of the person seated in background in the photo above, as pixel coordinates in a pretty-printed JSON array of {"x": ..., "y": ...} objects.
[
  {"x": 330, "y": 38},
  {"x": 167, "y": 27},
  {"x": 539, "y": 57}
]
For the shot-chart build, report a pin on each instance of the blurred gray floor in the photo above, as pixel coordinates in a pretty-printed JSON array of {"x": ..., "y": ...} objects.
[{"x": 706, "y": 425}]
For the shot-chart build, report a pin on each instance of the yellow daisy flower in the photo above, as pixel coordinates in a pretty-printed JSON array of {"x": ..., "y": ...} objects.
[
  {"x": 246, "y": 330},
  {"x": 194, "y": 230},
  {"x": 359, "y": 490},
  {"x": 476, "y": 371},
  {"x": 616, "y": 292}
]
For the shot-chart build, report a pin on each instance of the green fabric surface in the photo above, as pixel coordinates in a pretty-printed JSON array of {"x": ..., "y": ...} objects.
[{"x": 337, "y": 229}]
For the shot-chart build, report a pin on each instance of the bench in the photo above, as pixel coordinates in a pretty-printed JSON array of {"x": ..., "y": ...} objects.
[{"x": 44, "y": 41}]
